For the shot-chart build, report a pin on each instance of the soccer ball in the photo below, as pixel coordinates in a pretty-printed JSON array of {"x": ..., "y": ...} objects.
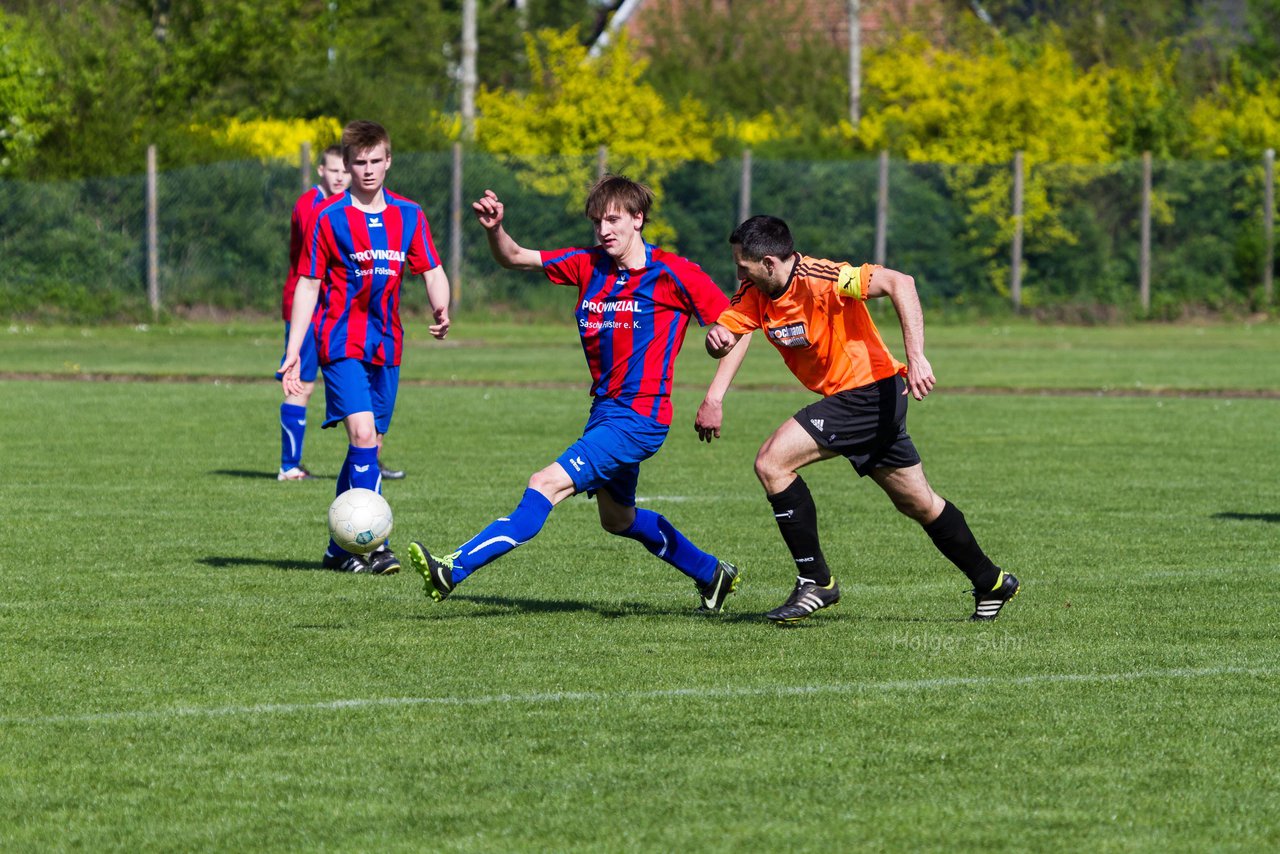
[{"x": 359, "y": 520}]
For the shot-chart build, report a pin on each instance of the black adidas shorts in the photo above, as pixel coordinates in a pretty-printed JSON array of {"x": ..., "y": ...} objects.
[{"x": 865, "y": 425}]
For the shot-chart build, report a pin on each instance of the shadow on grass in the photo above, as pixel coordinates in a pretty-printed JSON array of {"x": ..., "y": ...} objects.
[
  {"x": 1249, "y": 517},
  {"x": 464, "y": 607},
  {"x": 255, "y": 475},
  {"x": 221, "y": 562}
]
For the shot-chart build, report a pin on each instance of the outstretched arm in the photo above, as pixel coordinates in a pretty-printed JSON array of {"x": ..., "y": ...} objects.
[
  {"x": 508, "y": 253},
  {"x": 730, "y": 348},
  {"x": 901, "y": 290}
]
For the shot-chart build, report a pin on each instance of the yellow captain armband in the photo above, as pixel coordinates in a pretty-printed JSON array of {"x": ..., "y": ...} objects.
[{"x": 850, "y": 282}]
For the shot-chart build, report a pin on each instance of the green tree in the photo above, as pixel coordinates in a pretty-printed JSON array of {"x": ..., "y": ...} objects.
[
  {"x": 107, "y": 60},
  {"x": 1148, "y": 109},
  {"x": 27, "y": 96},
  {"x": 1261, "y": 51},
  {"x": 1123, "y": 33},
  {"x": 732, "y": 57}
]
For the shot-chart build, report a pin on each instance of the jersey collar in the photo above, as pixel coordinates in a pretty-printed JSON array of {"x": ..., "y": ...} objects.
[
  {"x": 648, "y": 260},
  {"x": 796, "y": 257}
]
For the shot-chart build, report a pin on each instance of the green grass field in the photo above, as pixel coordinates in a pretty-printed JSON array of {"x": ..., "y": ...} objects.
[{"x": 176, "y": 674}]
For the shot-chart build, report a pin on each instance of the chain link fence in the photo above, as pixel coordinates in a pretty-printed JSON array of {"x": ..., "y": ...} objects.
[{"x": 79, "y": 250}]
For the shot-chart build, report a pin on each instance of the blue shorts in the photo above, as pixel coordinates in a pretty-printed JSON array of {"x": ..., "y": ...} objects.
[
  {"x": 307, "y": 360},
  {"x": 613, "y": 444},
  {"x": 352, "y": 386}
]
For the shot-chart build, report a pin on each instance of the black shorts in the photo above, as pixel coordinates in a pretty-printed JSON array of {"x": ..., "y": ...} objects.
[{"x": 865, "y": 425}]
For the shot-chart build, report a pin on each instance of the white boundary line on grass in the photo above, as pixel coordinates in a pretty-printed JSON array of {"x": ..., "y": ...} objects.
[{"x": 675, "y": 693}]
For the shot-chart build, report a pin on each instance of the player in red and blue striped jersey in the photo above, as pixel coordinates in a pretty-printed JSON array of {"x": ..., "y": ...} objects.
[
  {"x": 634, "y": 303},
  {"x": 334, "y": 179},
  {"x": 359, "y": 249}
]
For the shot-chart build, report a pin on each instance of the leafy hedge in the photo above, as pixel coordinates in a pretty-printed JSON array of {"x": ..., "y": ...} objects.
[{"x": 77, "y": 251}]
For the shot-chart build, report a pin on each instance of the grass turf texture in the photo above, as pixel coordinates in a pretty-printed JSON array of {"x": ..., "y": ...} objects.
[{"x": 177, "y": 674}]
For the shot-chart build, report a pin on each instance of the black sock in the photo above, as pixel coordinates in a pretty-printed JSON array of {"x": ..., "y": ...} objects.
[
  {"x": 951, "y": 534},
  {"x": 797, "y": 518}
]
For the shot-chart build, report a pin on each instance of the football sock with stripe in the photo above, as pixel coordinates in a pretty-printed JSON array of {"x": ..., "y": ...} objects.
[
  {"x": 293, "y": 430},
  {"x": 664, "y": 540},
  {"x": 359, "y": 469},
  {"x": 503, "y": 534},
  {"x": 950, "y": 533},
  {"x": 797, "y": 518}
]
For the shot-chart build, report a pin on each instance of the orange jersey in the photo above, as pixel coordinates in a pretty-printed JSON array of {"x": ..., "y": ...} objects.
[{"x": 828, "y": 340}]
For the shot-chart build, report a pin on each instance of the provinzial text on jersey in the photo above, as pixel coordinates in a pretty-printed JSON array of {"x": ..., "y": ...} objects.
[
  {"x": 613, "y": 305},
  {"x": 377, "y": 255}
]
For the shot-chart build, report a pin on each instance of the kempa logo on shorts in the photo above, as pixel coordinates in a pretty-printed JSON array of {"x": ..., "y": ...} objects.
[
  {"x": 817, "y": 422},
  {"x": 577, "y": 463}
]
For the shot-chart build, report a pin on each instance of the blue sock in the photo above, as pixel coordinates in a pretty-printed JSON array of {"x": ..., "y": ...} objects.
[
  {"x": 502, "y": 535},
  {"x": 359, "y": 469},
  {"x": 293, "y": 430},
  {"x": 661, "y": 538}
]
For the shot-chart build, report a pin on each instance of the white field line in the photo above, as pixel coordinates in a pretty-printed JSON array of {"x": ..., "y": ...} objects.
[{"x": 539, "y": 699}]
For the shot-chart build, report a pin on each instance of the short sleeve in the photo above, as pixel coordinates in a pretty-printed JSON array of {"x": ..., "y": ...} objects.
[{"x": 743, "y": 314}]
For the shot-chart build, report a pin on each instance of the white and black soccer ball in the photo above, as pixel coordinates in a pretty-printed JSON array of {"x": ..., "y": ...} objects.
[{"x": 360, "y": 520}]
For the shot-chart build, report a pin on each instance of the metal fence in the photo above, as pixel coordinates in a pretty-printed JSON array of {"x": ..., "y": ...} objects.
[{"x": 1148, "y": 237}]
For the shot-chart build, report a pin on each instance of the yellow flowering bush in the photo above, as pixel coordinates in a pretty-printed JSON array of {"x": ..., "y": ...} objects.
[
  {"x": 1238, "y": 122},
  {"x": 971, "y": 113},
  {"x": 578, "y": 103},
  {"x": 273, "y": 139}
]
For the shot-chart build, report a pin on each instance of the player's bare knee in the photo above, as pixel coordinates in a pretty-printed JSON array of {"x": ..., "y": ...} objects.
[
  {"x": 539, "y": 482},
  {"x": 769, "y": 471},
  {"x": 911, "y": 508},
  {"x": 363, "y": 438},
  {"x": 921, "y": 507}
]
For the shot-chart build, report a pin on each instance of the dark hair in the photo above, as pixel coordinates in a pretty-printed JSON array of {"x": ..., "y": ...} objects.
[
  {"x": 362, "y": 136},
  {"x": 618, "y": 191},
  {"x": 761, "y": 236},
  {"x": 334, "y": 150}
]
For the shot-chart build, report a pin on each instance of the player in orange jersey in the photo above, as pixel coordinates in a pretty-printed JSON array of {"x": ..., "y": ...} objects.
[{"x": 814, "y": 312}]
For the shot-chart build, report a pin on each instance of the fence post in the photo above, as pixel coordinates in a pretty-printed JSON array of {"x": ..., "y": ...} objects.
[
  {"x": 153, "y": 235},
  {"x": 1144, "y": 260},
  {"x": 1015, "y": 262},
  {"x": 744, "y": 187},
  {"x": 602, "y": 161},
  {"x": 304, "y": 165},
  {"x": 455, "y": 224},
  {"x": 1268, "y": 225},
  {"x": 882, "y": 209}
]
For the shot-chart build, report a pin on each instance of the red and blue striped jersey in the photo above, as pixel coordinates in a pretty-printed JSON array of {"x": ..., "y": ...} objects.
[
  {"x": 303, "y": 209},
  {"x": 361, "y": 259},
  {"x": 632, "y": 322}
]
